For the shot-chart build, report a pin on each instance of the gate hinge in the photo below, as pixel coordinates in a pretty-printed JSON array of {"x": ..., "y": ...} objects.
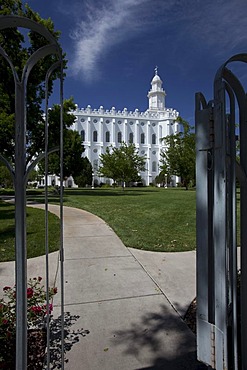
[{"x": 213, "y": 361}]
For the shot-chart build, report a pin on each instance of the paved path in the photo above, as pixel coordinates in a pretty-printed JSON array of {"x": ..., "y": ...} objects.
[{"x": 131, "y": 301}]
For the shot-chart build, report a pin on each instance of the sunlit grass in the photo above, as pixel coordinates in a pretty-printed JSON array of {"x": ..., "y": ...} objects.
[{"x": 155, "y": 219}]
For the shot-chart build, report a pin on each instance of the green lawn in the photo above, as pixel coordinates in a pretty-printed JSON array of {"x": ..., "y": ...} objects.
[
  {"x": 35, "y": 232},
  {"x": 155, "y": 219}
]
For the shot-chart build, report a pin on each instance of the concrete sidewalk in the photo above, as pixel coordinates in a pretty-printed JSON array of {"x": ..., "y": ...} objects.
[{"x": 130, "y": 300}]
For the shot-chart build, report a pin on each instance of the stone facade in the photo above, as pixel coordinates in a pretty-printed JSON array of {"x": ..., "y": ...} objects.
[{"x": 100, "y": 128}]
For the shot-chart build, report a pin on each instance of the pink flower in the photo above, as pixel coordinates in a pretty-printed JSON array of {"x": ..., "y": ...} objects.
[
  {"x": 36, "y": 309},
  {"x": 29, "y": 292},
  {"x": 36, "y": 304}
]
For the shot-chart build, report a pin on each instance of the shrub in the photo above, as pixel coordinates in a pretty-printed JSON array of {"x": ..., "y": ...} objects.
[{"x": 37, "y": 310}]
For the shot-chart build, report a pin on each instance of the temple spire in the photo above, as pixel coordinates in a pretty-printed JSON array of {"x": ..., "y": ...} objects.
[{"x": 156, "y": 95}]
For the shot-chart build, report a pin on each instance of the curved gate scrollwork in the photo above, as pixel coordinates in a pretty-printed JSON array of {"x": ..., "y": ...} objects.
[
  {"x": 21, "y": 168},
  {"x": 221, "y": 307}
]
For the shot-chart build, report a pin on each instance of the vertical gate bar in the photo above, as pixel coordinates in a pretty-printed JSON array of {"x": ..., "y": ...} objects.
[
  {"x": 61, "y": 219},
  {"x": 48, "y": 74},
  {"x": 211, "y": 257},
  {"x": 219, "y": 226},
  {"x": 20, "y": 228},
  {"x": 202, "y": 146},
  {"x": 232, "y": 247},
  {"x": 233, "y": 257},
  {"x": 243, "y": 215},
  {"x": 46, "y": 228}
]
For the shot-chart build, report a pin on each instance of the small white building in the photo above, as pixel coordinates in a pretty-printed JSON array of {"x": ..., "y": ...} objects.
[{"x": 100, "y": 128}]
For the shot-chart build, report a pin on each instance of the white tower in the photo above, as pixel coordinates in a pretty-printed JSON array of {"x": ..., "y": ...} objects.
[{"x": 156, "y": 95}]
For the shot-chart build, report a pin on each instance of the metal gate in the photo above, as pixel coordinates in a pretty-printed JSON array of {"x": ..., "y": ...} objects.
[
  {"x": 20, "y": 170},
  {"x": 221, "y": 304}
]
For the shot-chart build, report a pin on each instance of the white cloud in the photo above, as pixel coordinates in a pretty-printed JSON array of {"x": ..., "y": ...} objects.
[
  {"x": 104, "y": 26},
  {"x": 192, "y": 25}
]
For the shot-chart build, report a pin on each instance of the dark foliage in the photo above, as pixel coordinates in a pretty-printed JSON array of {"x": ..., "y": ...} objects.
[{"x": 37, "y": 345}]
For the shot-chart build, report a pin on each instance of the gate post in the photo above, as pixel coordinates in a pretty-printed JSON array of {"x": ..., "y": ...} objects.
[
  {"x": 219, "y": 229},
  {"x": 205, "y": 252}
]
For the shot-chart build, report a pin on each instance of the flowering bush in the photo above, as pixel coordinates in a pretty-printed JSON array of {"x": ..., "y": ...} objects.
[{"x": 37, "y": 310}]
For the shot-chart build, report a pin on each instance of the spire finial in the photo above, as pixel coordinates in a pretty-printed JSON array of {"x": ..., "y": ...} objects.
[{"x": 156, "y": 70}]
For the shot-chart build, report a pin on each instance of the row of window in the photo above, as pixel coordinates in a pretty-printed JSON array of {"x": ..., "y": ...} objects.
[
  {"x": 119, "y": 137},
  {"x": 96, "y": 165},
  {"x": 119, "y": 122}
]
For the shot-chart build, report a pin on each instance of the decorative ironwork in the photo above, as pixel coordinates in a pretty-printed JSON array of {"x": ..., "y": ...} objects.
[
  {"x": 22, "y": 168},
  {"x": 221, "y": 321}
]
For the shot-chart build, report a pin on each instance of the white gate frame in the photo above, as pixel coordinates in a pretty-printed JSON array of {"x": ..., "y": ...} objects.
[{"x": 221, "y": 340}]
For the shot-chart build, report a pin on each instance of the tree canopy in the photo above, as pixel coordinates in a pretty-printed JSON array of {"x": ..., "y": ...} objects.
[
  {"x": 73, "y": 163},
  {"x": 122, "y": 164},
  {"x": 84, "y": 177},
  {"x": 6, "y": 180},
  {"x": 19, "y": 48},
  {"x": 180, "y": 155}
]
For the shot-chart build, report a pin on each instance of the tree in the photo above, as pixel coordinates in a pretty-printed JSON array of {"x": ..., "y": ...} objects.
[
  {"x": 33, "y": 176},
  {"x": 6, "y": 180},
  {"x": 122, "y": 164},
  {"x": 73, "y": 163},
  {"x": 162, "y": 178},
  {"x": 180, "y": 155},
  {"x": 85, "y": 177},
  {"x": 19, "y": 50}
]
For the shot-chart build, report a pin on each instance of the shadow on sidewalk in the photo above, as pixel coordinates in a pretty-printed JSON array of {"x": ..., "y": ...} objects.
[{"x": 164, "y": 338}]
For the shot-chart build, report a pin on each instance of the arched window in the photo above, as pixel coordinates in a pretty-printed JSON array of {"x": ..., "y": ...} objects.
[
  {"x": 95, "y": 136},
  {"x": 107, "y": 136},
  {"x": 119, "y": 137},
  {"x": 154, "y": 166},
  {"x": 95, "y": 165},
  {"x": 131, "y": 138},
  {"x": 153, "y": 139},
  {"x": 82, "y": 135},
  {"x": 142, "y": 138}
]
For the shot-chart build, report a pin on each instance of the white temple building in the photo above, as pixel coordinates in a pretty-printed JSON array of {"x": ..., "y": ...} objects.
[{"x": 100, "y": 128}]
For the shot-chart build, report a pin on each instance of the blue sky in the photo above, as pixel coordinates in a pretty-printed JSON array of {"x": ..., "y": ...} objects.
[{"x": 113, "y": 46}]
